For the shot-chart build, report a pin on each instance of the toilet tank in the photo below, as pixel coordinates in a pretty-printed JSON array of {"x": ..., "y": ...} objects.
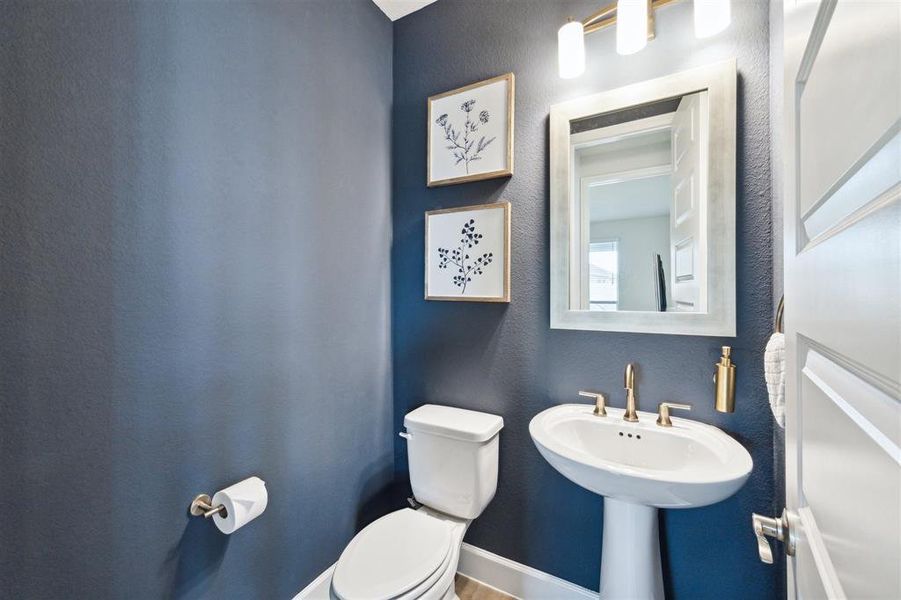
[{"x": 453, "y": 458}]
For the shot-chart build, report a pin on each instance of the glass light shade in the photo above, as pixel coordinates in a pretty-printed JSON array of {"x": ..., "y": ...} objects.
[
  {"x": 711, "y": 17},
  {"x": 571, "y": 49},
  {"x": 631, "y": 26}
]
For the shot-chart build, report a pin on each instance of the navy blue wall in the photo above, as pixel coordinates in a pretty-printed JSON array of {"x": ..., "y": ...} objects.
[
  {"x": 504, "y": 359},
  {"x": 194, "y": 288}
]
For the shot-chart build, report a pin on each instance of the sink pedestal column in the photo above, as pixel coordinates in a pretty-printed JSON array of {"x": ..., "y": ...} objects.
[{"x": 630, "y": 552}]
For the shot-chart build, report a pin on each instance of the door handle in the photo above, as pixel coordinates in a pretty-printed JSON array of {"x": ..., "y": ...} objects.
[{"x": 777, "y": 528}]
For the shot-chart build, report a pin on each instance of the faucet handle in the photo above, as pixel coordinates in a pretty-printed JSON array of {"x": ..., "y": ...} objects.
[
  {"x": 600, "y": 402},
  {"x": 663, "y": 412}
]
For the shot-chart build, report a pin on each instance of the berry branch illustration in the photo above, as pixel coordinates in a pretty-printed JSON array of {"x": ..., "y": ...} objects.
[
  {"x": 466, "y": 267},
  {"x": 466, "y": 150}
]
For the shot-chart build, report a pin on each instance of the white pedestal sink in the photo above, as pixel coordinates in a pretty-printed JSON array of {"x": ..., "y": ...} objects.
[{"x": 638, "y": 468}]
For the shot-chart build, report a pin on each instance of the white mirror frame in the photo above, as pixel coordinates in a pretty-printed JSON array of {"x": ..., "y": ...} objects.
[{"x": 719, "y": 80}]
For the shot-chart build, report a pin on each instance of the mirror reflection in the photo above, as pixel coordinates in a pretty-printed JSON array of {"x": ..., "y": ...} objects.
[{"x": 639, "y": 208}]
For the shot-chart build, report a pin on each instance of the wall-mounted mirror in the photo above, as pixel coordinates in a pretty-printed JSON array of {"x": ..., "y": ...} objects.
[{"x": 643, "y": 207}]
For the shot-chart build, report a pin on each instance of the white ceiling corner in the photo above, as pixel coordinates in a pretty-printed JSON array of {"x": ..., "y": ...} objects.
[{"x": 396, "y": 9}]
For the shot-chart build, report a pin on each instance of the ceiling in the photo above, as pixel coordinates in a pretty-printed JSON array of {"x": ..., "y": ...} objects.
[
  {"x": 396, "y": 9},
  {"x": 631, "y": 199}
]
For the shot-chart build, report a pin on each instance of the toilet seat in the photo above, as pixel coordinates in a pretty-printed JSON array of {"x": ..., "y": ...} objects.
[
  {"x": 402, "y": 554},
  {"x": 425, "y": 590}
]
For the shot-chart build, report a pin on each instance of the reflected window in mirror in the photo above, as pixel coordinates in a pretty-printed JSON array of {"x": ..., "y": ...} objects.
[{"x": 603, "y": 275}]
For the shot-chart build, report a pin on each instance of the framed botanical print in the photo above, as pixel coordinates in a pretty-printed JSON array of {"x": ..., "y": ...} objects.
[
  {"x": 471, "y": 132},
  {"x": 467, "y": 253}
]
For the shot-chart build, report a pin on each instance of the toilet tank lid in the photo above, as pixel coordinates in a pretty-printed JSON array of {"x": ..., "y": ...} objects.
[{"x": 457, "y": 423}]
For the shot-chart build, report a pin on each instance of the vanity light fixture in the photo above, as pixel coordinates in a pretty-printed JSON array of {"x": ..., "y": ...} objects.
[
  {"x": 634, "y": 20},
  {"x": 632, "y": 26},
  {"x": 571, "y": 49}
]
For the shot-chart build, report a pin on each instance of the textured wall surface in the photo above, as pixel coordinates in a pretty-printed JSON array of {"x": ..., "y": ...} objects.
[
  {"x": 504, "y": 358},
  {"x": 194, "y": 288}
]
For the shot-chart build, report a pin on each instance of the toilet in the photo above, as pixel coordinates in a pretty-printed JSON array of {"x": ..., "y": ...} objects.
[{"x": 413, "y": 553}]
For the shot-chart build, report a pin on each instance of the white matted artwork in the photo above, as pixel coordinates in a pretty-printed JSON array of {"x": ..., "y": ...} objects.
[
  {"x": 467, "y": 253},
  {"x": 471, "y": 132}
]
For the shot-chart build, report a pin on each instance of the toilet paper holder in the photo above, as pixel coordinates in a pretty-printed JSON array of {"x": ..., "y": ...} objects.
[{"x": 203, "y": 505}]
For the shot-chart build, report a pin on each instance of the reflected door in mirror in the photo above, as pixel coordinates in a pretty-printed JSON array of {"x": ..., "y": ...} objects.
[{"x": 640, "y": 238}]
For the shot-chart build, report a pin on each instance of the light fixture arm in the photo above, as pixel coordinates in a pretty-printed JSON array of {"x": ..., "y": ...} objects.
[
  {"x": 606, "y": 16},
  {"x": 602, "y": 18}
]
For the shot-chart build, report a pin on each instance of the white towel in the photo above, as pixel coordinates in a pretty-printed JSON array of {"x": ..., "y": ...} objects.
[{"x": 774, "y": 373}]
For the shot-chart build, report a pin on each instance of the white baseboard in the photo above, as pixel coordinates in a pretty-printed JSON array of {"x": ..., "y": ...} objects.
[
  {"x": 515, "y": 579},
  {"x": 318, "y": 588},
  {"x": 503, "y": 574}
]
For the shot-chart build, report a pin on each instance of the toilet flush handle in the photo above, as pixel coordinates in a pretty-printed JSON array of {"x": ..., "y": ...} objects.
[{"x": 405, "y": 435}]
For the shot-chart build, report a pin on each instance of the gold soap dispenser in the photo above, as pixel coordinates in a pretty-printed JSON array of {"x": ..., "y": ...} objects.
[{"x": 724, "y": 379}]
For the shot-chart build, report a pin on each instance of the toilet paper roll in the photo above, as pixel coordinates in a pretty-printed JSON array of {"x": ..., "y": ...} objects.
[{"x": 243, "y": 502}]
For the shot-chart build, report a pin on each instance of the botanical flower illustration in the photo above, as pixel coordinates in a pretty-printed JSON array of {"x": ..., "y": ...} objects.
[
  {"x": 462, "y": 142},
  {"x": 466, "y": 267}
]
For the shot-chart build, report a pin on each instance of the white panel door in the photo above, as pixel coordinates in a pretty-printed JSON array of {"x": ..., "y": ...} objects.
[
  {"x": 688, "y": 214},
  {"x": 843, "y": 297}
]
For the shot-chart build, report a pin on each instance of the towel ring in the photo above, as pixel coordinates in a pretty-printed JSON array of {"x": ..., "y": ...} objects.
[{"x": 779, "y": 312}]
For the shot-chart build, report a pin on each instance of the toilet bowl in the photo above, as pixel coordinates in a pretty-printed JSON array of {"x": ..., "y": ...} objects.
[{"x": 413, "y": 554}]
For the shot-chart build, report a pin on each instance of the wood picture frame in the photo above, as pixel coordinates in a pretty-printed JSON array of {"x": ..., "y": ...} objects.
[
  {"x": 482, "y": 110},
  {"x": 468, "y": 247}
]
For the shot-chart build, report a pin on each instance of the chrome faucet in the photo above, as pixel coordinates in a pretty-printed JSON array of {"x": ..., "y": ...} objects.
[{"x": 629, "y": 384}]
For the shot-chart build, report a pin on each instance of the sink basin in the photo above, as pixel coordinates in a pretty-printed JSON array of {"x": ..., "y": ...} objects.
[
  {"x": 687, "y": 465},
  {"x": 638, "y": 468}
]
